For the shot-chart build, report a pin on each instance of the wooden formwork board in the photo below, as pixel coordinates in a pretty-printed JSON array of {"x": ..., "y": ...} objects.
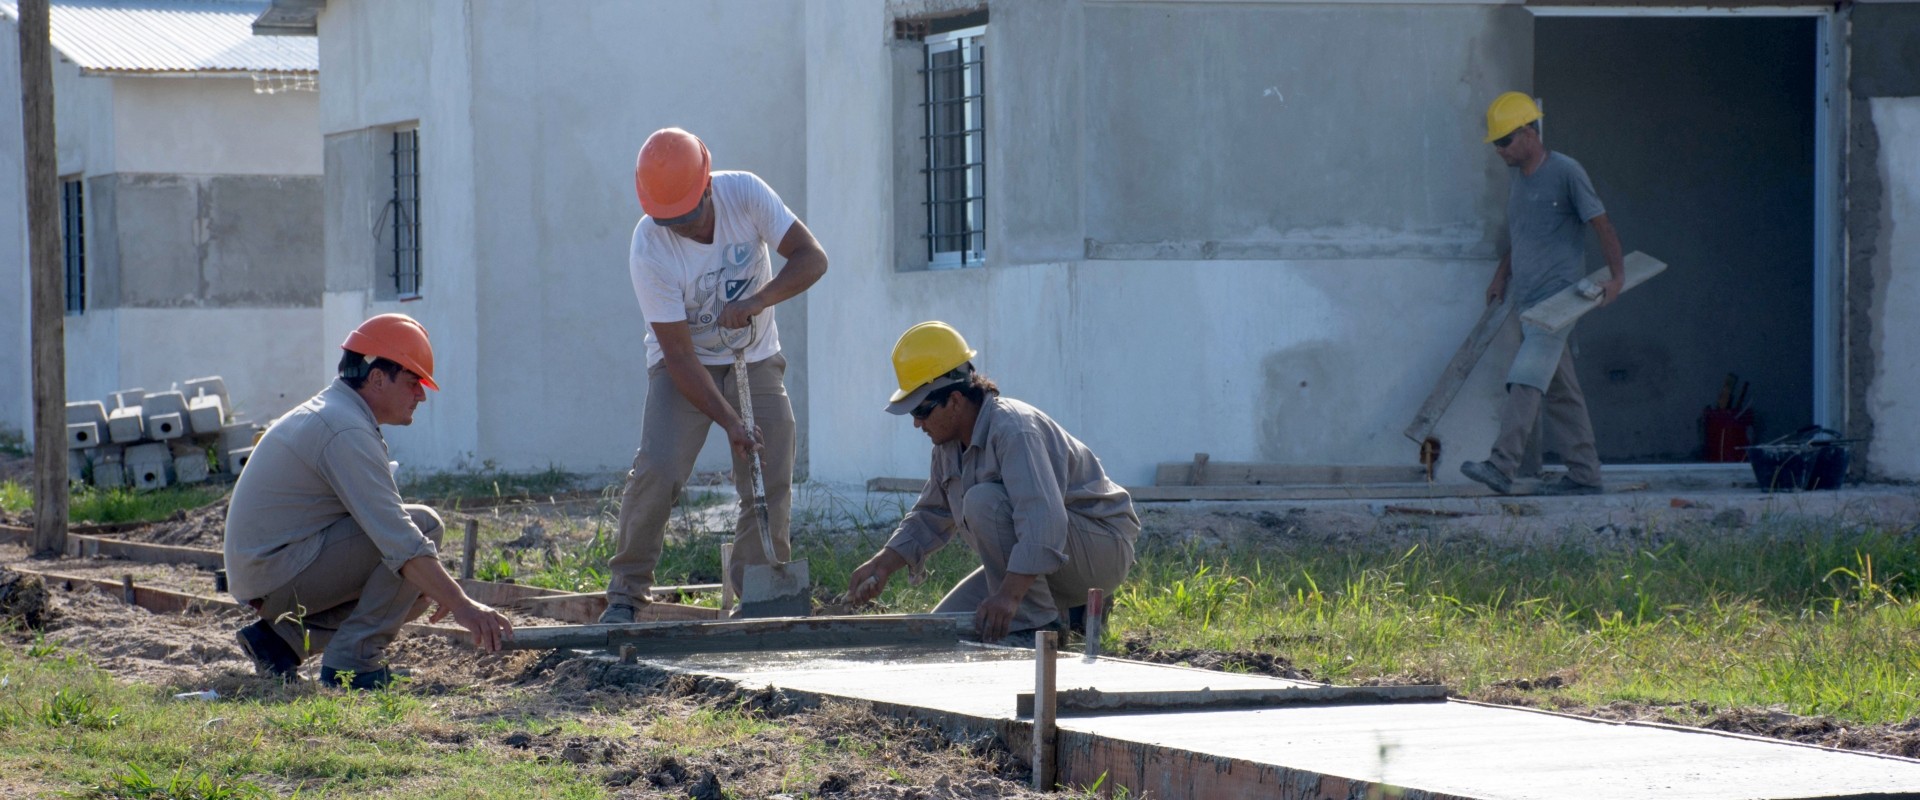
[
  {"x": 781, "y": 633},
  {"x": 1377, "y": 491},
  {"x": 84, "y": 546},
  {"x": 1081, "y": 702},
  {"x": 1247, "y": 473},
  {"x": 583, "y": 608}
]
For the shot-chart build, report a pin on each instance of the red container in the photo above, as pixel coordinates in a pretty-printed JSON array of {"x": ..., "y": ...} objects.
[{"x": 1727, "y": 434}]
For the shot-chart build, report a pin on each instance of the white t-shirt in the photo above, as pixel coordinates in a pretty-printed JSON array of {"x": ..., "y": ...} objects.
[{"x": 680, "y": 280}]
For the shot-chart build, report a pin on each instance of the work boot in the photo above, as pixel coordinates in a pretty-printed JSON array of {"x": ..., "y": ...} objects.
[
  {"x": 618, "y": 614},
  {"x": 1485, "y": 472},
  {"x": 272, "y": 657},
  {"x": 364, "y": 681},
  {"x": 1566, "y": 485}
]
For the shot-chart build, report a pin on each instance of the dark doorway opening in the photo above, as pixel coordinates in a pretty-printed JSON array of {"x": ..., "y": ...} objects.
[{"x": 1699, "y": 134}]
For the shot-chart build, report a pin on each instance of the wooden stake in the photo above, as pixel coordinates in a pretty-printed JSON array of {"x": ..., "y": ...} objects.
[
  {"x": 472, "y": 544},
  {"x": 126, "y": 590},
  {"x": 726, "y": 577},
  {"x": 1045, "y": 738},
  {"x": 49, "y": 282}
]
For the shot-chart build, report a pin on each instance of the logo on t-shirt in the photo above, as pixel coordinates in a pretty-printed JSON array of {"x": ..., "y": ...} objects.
[
  {"x": 739, "y": 254},
  {"x": 736, "y": 287}
]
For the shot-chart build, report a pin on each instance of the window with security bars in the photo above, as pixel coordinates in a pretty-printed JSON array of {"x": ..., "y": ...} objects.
[
  {"x": 405, "y": 212},
  {"x": 73, "y": 242},
  {"x": 956, "y": 138}
]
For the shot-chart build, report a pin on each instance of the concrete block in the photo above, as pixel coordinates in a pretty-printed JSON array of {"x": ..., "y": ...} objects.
[
  {"x": 109, "y": 470},
  {"x": 125, "y": 425},
  {"x": 149, "y": 465},
  {"x": 151, "y": 451},
  {"x": 236, "y": 459},
  {"x": 127, "y": 398},
  {"x": 206, "y": 414},
  {"x": 92, "y": 411},
  {"x": 190, "y": 468},
  {"x": 235, "y": 436},
  {"x": 210, "y": 386},
  {"x": 83, "y": 435},
  {"x": 162, "y": 427}
]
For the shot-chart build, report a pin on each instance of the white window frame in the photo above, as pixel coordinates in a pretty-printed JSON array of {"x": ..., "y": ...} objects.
[{"x": 971, "y": 195}]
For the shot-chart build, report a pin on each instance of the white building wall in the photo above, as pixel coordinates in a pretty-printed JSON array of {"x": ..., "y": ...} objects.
[
  {"x": 1894, "y": 396},
  {"x": 386, "y": 64},
  {"x": 16, "y": 359},
  {"x": 1318, "y": 352},
  {"x": 212, "y": 126}
]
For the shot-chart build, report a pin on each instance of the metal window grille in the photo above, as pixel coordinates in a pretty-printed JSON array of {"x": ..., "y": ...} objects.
[
  {"x": 406, "y": 214},
  {"x": 73, "y": 240},
  {"x": 956, "y": 138}
]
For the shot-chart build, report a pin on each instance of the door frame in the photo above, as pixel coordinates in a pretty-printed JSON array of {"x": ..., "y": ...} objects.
[{"x": 1829, "y": 180}]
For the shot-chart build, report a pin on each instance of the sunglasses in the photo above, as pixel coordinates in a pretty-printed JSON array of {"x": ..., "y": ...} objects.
[
  {"x": 926, "y": 407},
  {"x": 1503, "y": 141}
]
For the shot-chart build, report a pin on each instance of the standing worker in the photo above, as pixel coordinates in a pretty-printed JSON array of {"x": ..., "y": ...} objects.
[
  {"x": 1030, "y": 499},
  {"x": 700, "y": 269},
  {"x": 1550, "y": 203},
  {"x": 318, "y": 541}
]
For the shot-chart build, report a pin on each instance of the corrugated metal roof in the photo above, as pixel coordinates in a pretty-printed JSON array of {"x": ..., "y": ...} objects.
[{"x": 152, "y": 36}]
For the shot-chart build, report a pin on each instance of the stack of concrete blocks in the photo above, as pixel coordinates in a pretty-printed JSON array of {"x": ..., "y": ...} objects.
[{"x": 149, "y": 441}]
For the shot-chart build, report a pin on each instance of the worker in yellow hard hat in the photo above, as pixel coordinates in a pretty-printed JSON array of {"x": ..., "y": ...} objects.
[
  {"x": 317, "y": 539},
  {"x": 706, "y": 285},
  {"x": 1550, "y": 205},
  {"x": 1030, "y": 499}
]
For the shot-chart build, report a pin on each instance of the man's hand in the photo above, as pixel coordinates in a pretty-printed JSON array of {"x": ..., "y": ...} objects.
[
  {"x": 744, "y": 442},
  {"x": 740, "y": 313},
  {"x": 489, "y": 627},
  {"x": 994, "y": 615},
  {"x": 870, "y": 579},
  {"x": 1611, "y": 289}
]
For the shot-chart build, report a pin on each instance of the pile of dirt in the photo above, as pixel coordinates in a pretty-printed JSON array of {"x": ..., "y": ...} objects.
[
  {"x": 1246, "y": 661},
  {"x": 23, "y": 598},
  {"x": 205, "y": 526}
]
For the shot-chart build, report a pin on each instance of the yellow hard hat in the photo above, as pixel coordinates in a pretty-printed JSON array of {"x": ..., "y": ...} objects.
[
  {"x": 924, "y": 354},
  {"x": 1508, "y": 112}
]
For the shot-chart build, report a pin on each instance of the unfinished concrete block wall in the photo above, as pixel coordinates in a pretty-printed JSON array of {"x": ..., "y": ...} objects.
[{"x": 1883, "y": 238}]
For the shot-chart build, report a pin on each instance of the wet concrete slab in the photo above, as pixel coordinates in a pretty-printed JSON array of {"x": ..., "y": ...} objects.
[{"x": 1428, "y": 750}]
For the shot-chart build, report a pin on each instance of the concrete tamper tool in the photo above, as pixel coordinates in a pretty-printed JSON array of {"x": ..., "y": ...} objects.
[{"x": 776, "y": 588}]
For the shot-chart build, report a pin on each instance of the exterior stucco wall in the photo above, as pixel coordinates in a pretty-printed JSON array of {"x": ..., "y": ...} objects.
[
  {"x": 229, "y": 130},
  {"x": 1277, "y": 259},
  {"x": 1893, "y": 397},
  {"x": 16, "y": 332},
  {"x": 528, "y": 128}
]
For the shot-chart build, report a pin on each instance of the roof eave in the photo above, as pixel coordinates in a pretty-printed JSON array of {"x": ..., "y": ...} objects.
[{"x": 290, "y": 18}]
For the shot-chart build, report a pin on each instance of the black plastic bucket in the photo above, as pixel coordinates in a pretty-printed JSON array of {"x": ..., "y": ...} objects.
[{"x": 1811, "y": 458}]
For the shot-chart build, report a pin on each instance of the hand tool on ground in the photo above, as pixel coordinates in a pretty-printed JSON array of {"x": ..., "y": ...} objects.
[{"x": 776, "y": 588}]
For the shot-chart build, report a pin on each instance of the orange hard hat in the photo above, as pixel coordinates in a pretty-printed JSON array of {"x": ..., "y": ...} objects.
[
  {"x": 397, "y": 338},
  {"x": 671, "y": 173}
]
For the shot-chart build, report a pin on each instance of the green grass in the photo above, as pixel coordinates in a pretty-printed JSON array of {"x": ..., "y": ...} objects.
[
  {"x": 70, "y": 725},
  {"x": 487, "y": 480},
  {"x": 1819, "y": 620},
  {"x": 13, "y": 443},
  {"x": 88, "y": 504}
]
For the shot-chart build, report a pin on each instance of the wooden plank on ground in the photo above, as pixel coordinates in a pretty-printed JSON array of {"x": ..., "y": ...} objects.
[
  {"x": 1555, "y": 313},
  {"x": 83, "y": 546},
  {"x": 584, "y": 608},
  {"x": 1083, "y": 702},
  {"x": 908, "y": 485},
  {"x": 782, "y": 633},
  {"x": 1249, "y": 473},
  {"x": 1455, "y": 375},
  {"x": 1378, "y": 491},
  {"x": 159, "y": 601}
]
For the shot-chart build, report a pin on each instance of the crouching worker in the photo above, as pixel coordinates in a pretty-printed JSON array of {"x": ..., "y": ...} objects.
[
  {"x": 318, "y": 541},
  {"x": 1032, "y": 500}
]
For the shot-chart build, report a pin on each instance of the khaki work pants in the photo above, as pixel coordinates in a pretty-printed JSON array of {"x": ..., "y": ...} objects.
[
  {"x": 1567, "y": 425},
  {"x": 347, "y": 604},
  {"x": 671, "y": 436},
  {"x": 1098, "y": 555}
]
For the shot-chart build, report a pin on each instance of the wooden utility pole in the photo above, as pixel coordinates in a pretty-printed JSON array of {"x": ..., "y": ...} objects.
[{"x": 49, "y": 282}]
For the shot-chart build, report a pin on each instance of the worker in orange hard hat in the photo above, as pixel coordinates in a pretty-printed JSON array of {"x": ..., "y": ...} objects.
[
  {"x": 318, "y": 541},
  {"x": 1031, "y": 500},
  {"x": 1550, "y": 205},
  {"x": 707, "y": 287}
]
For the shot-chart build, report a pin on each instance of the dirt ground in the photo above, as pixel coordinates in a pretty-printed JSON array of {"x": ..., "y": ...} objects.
[{"x": 195, "y": 652}]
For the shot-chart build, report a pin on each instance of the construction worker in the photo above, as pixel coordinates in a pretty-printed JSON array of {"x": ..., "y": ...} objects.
[
  {"x": 706, "y": 286},
  {"x": 1550, "y": 205},
  {"x": 318, "y": 541},
  {"x": 1030, "y": 499}
]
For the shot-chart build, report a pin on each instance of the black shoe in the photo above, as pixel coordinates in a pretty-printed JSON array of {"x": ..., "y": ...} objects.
[
  {"x": 618, "y": 614},
  {"x": 1565, "y": 485},
  {"x": 271, "y": 656},
  {"x": 365, "y": 681},
  {"x": 1485, "y": 472}
]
